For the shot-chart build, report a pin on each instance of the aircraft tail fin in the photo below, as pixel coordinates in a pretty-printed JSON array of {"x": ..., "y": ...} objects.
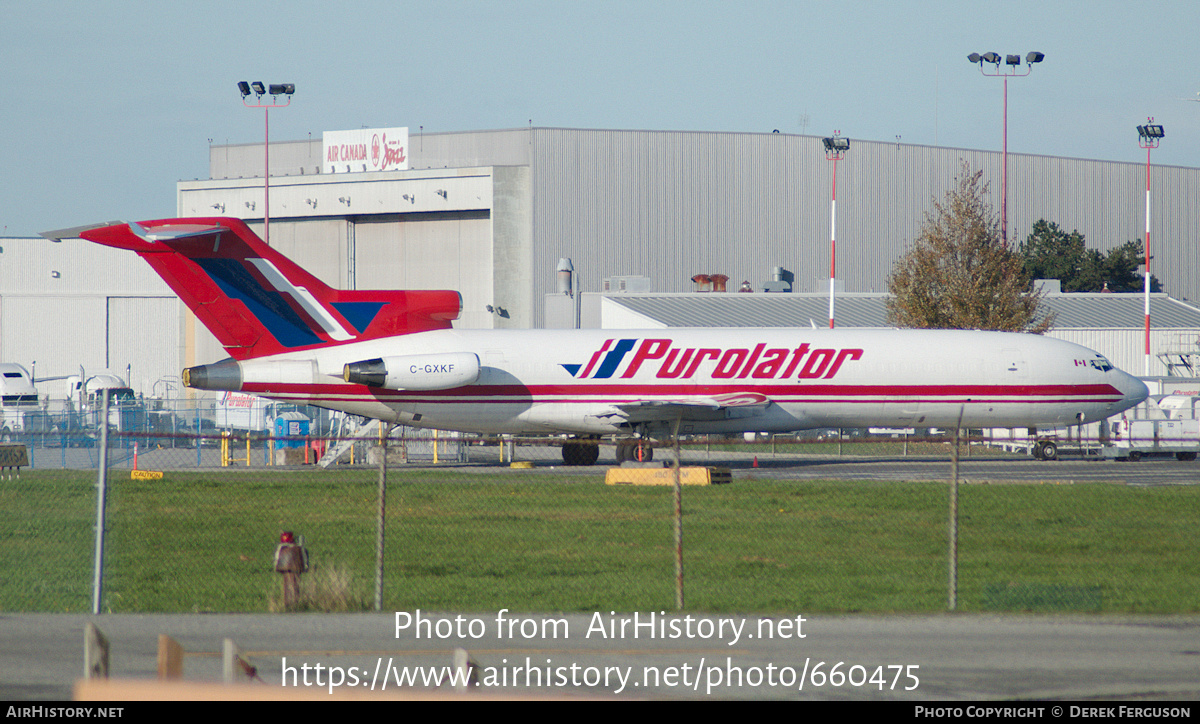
[{"x": 255, "y": 300}]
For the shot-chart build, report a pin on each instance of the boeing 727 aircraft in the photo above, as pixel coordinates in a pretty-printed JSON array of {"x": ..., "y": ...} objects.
[{"x": 395, "y": 356}]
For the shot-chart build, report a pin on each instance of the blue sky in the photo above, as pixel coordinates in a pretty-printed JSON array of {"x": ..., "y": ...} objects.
[{"x": 108, "y": 105}]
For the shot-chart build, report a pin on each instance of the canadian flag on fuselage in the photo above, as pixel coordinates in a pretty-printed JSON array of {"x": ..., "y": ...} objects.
[{"x": 257, "y": 301}]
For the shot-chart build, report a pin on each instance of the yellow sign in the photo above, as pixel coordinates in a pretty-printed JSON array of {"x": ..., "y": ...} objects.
[{"x": 145, "y": 475}]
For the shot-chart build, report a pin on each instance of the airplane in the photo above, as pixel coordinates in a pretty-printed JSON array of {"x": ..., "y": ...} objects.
[{"x": 394, "y": 355}]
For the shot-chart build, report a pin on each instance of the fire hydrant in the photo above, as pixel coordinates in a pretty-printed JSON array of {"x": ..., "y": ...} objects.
[{"x": 291, "y": 559}]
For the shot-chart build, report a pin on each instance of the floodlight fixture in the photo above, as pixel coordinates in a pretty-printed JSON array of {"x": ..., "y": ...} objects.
[
  {"x": 1012, "y": 69},
  {"x": 836, "y": 144},
  {"x": 1150, "y": 131},
  {"x": 276, "y": 90}
]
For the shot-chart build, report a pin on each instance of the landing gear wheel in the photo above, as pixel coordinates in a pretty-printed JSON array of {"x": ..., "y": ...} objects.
[
  {"x": 640, "y": 451},
  {"x": 580, "y": 453},
  {"x": 591, "y": 453},
  {"x": 1047, "y": 450},
  {"x": 1134, "y": 456}
]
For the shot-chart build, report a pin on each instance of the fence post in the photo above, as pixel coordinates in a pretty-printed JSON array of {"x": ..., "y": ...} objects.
[
  {"x": 678, "y": 520},
  {"x": 235, "y": 667},
  {"x": 101, "y": 499},
  {"x": 95, "y": 653},
  {"x": 384, "y": 429},
  {"x": 170, "y": 658},
  {"x": 199, "y": 432},
  {"x": 953, "y": 602}
]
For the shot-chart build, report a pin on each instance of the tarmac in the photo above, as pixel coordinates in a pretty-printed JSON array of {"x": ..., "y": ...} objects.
[{"x": 655, "y": 655}]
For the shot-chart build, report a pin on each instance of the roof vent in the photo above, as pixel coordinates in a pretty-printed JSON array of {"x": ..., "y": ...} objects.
[{"x": 781, "y": 280}]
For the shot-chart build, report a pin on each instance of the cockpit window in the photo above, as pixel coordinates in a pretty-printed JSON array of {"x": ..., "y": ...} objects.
[{"x": 1101, "y": 364}]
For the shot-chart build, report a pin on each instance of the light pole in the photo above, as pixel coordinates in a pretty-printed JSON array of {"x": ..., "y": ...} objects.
[
  {"x": 835, "y": 150},
  {"x": 1011, "y": 64},
  {"x": 275, "y": 90},
  {"x": 1149, "y": 136}
]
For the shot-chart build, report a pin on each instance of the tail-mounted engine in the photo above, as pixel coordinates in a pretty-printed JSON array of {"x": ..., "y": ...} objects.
[{"x": 415, "y": 372}]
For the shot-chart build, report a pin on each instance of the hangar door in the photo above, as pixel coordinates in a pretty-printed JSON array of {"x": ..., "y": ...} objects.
[
  {"x": 59, "y": 333},
  {"x": 429, "y": 251},
  {"x": 144, "y": 339}
]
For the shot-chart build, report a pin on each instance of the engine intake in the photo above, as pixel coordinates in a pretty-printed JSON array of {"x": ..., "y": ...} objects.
[{"x": 415, "y": 372}]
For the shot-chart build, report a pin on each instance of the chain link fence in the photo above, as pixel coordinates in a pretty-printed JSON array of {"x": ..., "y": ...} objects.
[{"x": 478, "y": 524}]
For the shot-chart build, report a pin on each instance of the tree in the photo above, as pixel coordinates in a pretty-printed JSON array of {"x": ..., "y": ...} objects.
[
  {"x": 1051, "y": 253},
  {"x": 959, "y": 275},
  {"x": 1121, "y": 268}
]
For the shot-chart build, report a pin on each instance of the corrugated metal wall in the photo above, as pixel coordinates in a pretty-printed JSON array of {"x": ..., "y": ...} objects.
[
  {"x": 1126, "y": 348},
  {"x": 673, "y": 204}
]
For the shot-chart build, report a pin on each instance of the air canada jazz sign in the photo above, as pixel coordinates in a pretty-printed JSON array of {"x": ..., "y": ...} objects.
[{"x": 366, "y": 149}]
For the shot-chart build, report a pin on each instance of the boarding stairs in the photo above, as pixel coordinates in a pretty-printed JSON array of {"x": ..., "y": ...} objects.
[{"x": 349, "y": 430}]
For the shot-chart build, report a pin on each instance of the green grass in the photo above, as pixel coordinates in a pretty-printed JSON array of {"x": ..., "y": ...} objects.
[{"x": 204, "y": 541}]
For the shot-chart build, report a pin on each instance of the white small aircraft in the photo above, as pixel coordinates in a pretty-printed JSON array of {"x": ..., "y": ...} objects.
[{"x": 394, "y": 356}]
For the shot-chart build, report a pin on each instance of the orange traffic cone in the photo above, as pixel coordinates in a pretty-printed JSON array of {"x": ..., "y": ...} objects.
[{"x": 756, "y": 461}]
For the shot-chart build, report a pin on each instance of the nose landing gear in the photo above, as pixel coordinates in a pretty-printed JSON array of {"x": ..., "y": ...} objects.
[{"x": 638, "y": 450}]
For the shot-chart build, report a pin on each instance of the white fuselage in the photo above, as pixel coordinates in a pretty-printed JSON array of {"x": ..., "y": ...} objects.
[{"x": 598, "y": 382}]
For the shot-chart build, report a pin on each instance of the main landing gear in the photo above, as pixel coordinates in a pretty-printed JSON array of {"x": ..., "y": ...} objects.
[
  {"x": 580, "y": 452},
  {"x": 587, "y": 452}
]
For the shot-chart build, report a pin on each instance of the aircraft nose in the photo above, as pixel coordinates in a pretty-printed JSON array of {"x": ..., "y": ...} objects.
[{"x": 1133, "y": 390}]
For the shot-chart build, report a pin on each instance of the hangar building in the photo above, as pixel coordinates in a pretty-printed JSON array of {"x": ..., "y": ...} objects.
[{"x": 490, "y": 213}]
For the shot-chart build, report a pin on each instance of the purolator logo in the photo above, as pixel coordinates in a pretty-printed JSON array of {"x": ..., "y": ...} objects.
[{"x": 759, "y": 363}]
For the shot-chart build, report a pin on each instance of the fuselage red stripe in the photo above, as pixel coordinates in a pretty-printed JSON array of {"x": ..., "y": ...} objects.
[
  {"x": 778, "y": 393},
  {"x": 632, "y": 394}
]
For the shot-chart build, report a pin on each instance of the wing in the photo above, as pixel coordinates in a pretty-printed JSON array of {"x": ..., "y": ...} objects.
[{"x": 696, "y": 409}]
